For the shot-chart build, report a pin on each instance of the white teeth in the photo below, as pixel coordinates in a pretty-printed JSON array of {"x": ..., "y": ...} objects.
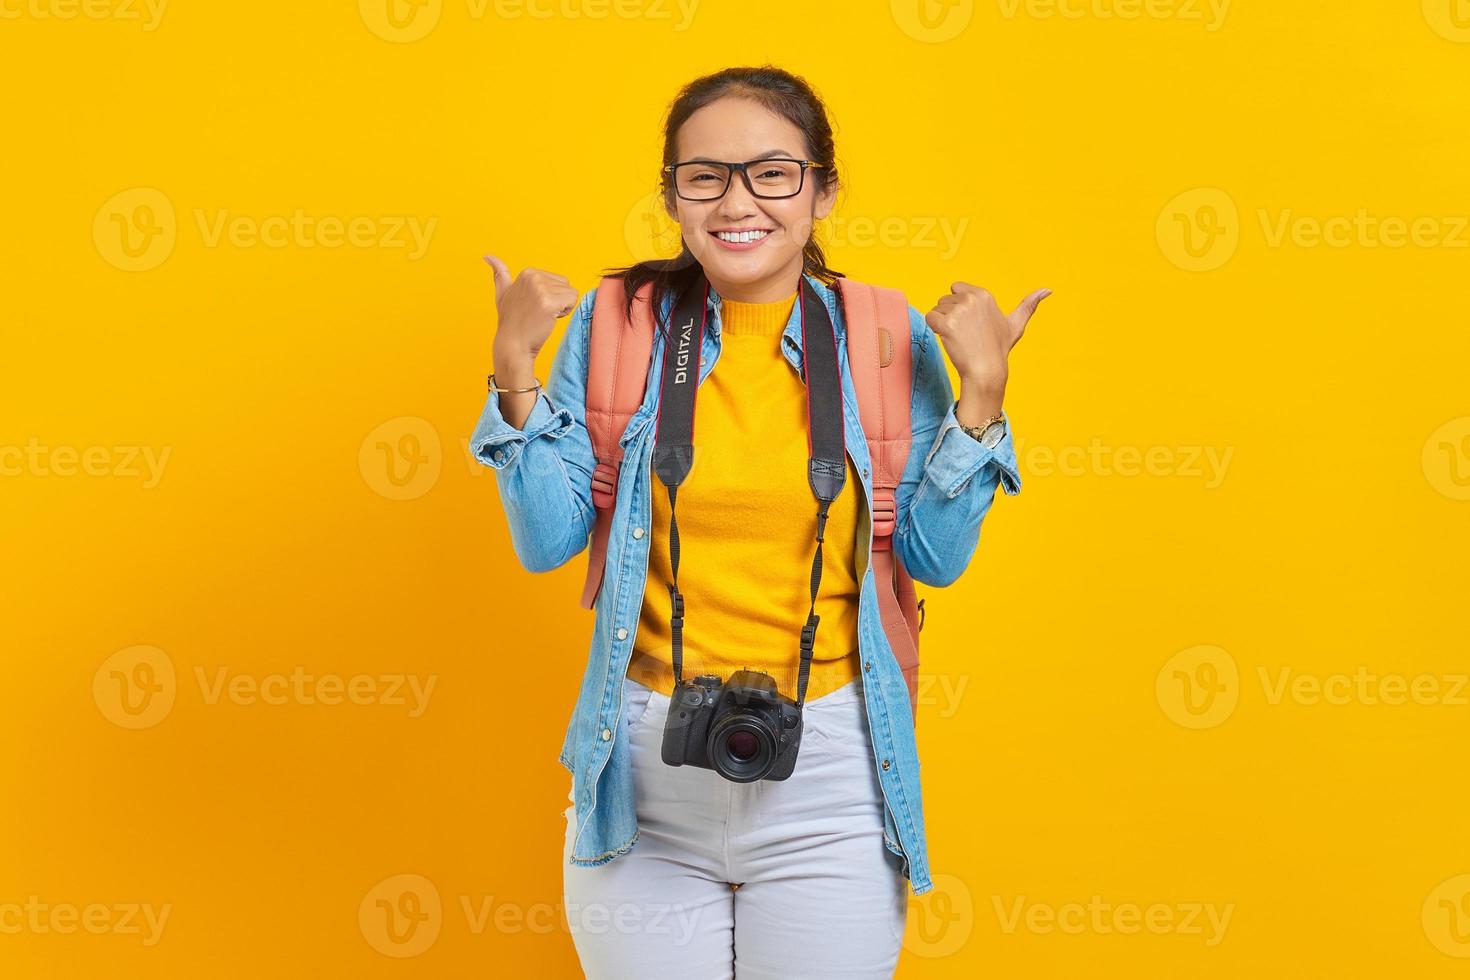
[{"x": 740, "y": 236}]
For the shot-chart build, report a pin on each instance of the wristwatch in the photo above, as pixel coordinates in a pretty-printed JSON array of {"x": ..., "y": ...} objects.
[{"x": 988, "y": 433}]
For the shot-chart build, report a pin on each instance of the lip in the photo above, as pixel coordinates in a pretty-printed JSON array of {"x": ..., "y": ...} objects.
[{"x": 741, "y": 246}]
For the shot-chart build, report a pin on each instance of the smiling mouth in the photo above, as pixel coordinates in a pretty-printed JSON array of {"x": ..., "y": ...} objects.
[{"x": 750, "y": 237}]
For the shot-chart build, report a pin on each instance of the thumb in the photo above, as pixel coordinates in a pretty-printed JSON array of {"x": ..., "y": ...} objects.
[
  {"x": 500, "y": 272},
  {"x": 1022, "y": 313}
]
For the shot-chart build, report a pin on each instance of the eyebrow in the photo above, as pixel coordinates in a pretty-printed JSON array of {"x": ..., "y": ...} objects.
[{"x": 765, "y": 154}]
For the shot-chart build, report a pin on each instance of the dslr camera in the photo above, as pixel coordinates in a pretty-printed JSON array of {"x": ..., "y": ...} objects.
[{"x": 743, "y": 729}]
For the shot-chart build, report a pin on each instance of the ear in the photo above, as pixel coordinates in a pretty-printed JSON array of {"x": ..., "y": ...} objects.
[{"x": 825, "y": 199}]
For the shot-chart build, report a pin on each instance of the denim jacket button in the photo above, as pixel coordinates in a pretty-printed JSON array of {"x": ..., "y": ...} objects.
[
  {"x": 868, "y": 665},
  {"x": 622, "y": 633},
  {"x": 499, "y": 455},
  {"x": 607, "y": 734},
  {"x": 637, "y": 532},
  {"x": 885, "y": 765}
]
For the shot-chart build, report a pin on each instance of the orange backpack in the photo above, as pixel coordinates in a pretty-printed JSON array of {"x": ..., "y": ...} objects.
[{"x": 881, "y": 361}]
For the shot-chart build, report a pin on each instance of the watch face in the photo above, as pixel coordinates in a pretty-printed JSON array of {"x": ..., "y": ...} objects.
[{"x": 992, "y": 435}]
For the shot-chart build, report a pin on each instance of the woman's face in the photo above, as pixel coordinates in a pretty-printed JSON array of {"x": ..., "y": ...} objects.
[{"x": 736, "y": 129}]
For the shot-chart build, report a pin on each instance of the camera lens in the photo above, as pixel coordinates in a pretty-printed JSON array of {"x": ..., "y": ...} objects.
[{"x": 741, "y": 747}]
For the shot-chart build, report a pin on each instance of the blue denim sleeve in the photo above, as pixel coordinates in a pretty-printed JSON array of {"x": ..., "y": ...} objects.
[
  {"x": 544, "y": 469},
  {"x": 950, "y": 479}
]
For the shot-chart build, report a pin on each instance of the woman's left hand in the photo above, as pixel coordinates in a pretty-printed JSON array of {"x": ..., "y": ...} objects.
[{"x": 978, "y": 337}]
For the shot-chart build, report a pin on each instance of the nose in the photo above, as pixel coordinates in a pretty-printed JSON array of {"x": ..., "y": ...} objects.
[{"x": 738, "y": 201}]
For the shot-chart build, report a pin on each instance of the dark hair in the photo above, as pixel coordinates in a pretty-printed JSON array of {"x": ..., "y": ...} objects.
[{"x": 781, "y": 92}]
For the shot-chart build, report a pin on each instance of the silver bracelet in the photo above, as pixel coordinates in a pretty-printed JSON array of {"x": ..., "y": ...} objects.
[{"x": 491, "y": 382}]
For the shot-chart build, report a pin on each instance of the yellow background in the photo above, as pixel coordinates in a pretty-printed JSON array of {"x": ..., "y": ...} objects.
[{"x": 1070, "y": 748}]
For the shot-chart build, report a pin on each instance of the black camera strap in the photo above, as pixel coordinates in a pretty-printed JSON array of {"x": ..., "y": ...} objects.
[{"x": 673, "y": 453}]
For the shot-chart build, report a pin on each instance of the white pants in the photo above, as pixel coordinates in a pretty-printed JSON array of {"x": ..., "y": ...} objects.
[{"x": 819, "y": 894}]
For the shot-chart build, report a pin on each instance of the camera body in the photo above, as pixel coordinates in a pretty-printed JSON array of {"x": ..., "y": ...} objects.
[{"x": 743, "y": 728}]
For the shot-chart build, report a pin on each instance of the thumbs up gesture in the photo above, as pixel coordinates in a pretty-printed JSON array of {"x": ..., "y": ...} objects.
[
  {"x": 528, "y": 307},
  {"x": 978, "y": 336}
]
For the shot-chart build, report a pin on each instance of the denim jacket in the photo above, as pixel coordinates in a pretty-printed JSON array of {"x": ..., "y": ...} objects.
[{"x": 544, "y": 474}]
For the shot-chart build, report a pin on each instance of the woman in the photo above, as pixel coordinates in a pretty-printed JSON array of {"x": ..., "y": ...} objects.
[{"x": 680, "y": 870}]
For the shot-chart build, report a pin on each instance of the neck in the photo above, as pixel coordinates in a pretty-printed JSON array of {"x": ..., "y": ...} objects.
[{"x": 768, "y": 290}]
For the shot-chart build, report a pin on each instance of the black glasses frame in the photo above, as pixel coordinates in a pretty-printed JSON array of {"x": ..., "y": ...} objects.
[{"x": 730, "y": 168}]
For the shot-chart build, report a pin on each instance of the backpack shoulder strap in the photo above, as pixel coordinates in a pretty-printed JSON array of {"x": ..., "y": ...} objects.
[
  {"x": 880, "y": 356},
  {"x": 617, "y": 374}
]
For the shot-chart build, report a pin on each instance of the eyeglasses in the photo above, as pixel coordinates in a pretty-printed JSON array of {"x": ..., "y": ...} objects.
[{"x": 708, "y": 180}]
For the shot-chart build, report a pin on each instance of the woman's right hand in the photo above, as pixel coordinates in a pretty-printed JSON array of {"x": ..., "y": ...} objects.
[{"x": 528, "y": 308}]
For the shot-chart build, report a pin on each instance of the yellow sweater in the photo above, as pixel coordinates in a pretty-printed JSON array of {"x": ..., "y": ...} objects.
[{"x": 747, "y": 528}]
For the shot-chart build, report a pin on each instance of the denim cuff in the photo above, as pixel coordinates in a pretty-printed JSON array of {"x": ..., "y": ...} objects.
[
  {"x": 957, "y": 457},
  {"x": 497, "y": 444}
]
